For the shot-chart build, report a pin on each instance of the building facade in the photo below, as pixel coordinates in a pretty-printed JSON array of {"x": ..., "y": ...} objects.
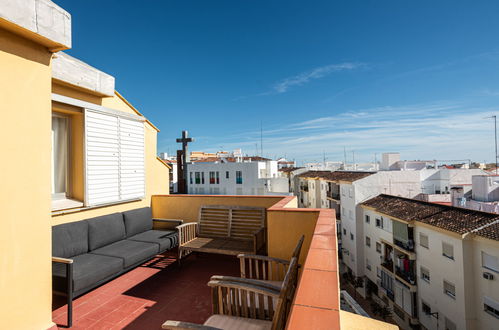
[
  {"x": 435, "y": 266},
  {"x": 236, "y": 177}
]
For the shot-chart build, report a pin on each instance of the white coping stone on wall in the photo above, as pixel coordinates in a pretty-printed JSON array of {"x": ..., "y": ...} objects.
[
  {"x": 42, "y": 17},
  {"x": 75, "y": 72}
]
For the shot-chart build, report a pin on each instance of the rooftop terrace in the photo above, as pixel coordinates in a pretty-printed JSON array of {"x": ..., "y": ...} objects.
[{"x": 162, "y": 290}]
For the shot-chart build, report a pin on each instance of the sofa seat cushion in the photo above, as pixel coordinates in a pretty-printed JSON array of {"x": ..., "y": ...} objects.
[
  {"x": 164, "y": 238},
  {"x": 131, "y": 252},
  {"x": 88, "y": 269},
  {"x": 137, "y": 221}
]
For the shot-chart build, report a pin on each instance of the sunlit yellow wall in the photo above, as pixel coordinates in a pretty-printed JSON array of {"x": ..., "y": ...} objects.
[
  {"x": 25, "y": 106},
  {"x": 157, "y": 175},
  {"x": 285, "y": 228},
  {"x": 186, "y": 207}
]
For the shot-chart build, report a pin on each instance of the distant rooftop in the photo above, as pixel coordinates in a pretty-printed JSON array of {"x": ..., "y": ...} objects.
[
  {"x": 230, "y": 159},
  {"x": 349, "y": 176},
  {"x": 455, "y": 219}
]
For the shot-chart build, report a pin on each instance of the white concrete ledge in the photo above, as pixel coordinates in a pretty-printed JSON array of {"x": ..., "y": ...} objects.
[
  {"x": 77, "y": 73},
  {"x": 41, "y": 17}
]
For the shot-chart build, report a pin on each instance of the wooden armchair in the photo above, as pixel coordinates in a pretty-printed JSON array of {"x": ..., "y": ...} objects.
[
  {"x": 246, "y": 303},
  {"x": 266, "y": 269}
]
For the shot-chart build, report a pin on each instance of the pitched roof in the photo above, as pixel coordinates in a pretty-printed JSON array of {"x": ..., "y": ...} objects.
[
  {"x": 455, "y": 219},
  {"x": 350, "y": 176},
  {"x": 289, "y": 169},
  {"x": 490, "y": 231}
]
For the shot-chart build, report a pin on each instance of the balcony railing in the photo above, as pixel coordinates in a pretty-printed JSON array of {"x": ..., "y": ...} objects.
[
  {"x": 333, "y": 195},
  {"x": 409, "y": 246},
  {"x": 388, "y": 264},
  {"x": 407, "y": 276}
]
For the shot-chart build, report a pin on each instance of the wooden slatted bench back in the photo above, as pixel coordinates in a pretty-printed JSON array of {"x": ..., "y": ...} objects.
[{"x": 237, "y": 222}]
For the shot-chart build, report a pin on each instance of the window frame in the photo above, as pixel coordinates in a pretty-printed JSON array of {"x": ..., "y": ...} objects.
[
  {"x": 368, "y": 241},
  {"x": 368, "y": 219},
  {"x": 427, "y": 241},
  {"x": 451, "y": 257},
  {"x": 427, "y": 279},
  {"x": 447, "y": 292},
  {"x": 67, "y": 163}
]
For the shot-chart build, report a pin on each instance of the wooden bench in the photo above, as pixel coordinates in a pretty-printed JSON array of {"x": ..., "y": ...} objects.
[{"x": 224, "y": 229}]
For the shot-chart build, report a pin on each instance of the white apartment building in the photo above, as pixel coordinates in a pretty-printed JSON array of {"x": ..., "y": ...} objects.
[
  {"x": 435, "y": 266},
  {"x": 482, "y": 195},
  {"x": 344, "y": 191},
  {"x": 239, "y": 176}
]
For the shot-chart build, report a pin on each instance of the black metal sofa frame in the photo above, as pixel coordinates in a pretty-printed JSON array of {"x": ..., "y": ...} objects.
[{"x": 88, "y": 253}]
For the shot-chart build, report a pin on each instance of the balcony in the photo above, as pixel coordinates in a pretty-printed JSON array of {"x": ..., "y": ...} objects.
[
  {"x": 333, "y": 195},
  {"x": 160, "y": 290},
  {"x": 388, "y": 265}
]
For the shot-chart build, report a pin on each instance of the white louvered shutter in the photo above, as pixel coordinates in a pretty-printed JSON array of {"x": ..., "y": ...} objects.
[
  {"x": 132, "y": 171},
  {"x": 102, "y": 158},
  {"x": 114, "y": 158}
]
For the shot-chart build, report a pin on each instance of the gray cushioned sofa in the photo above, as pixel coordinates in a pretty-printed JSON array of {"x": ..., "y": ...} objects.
[{"x": 88, "y": 253}]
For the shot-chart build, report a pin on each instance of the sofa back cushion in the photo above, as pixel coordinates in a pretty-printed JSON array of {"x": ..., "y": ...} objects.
[
  {"x": 70, "y": 239},
  {"x": 105, "y": 230},
  {"x": 138, "y": 221}
]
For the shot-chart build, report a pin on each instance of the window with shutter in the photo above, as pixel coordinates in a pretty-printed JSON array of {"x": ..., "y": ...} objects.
[
  {"x": 447, "y": 250},
  {"x": 114, "y": 158},
  {"x": 449, "y": 289},
  {"x": 423, "y": 240},
  {"x": 490, "y": 262}
]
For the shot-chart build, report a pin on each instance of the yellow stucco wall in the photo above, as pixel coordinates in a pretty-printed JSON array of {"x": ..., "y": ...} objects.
[
  {"x": 186, "y": 207},
  {"x": 25, "y": 251},
  {"x": 284, "y": 229},
  {"x": 157, "y": 174}
]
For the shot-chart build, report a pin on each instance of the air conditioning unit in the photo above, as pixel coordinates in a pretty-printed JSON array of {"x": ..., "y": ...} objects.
[{"x": 488, "y": 276}]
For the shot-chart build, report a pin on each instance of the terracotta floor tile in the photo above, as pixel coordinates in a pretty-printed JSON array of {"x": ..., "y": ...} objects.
[
  {"x": 318, "y": 288},
  {"x": 322, "y": 259},
  {"x": 147, "y": 296}
]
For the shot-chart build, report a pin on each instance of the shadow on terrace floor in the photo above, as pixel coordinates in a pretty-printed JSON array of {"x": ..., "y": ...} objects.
[{"x": 148, "y": 295}]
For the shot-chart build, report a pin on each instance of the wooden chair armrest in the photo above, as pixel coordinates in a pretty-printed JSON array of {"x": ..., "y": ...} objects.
[
  {"x": 187, "y": 225},
  {"x": 257, "y": 289},
  {"x": 62, "y": 260},
  {"x": 246, "y": 281},
  {"x": 187, "y": 232},
  {"x": 243, "y": 256},
  {"x": 178, "y": 325}
]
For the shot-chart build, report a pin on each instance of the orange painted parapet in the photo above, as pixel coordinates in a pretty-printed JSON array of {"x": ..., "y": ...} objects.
[{"x": 316, "y": 304}]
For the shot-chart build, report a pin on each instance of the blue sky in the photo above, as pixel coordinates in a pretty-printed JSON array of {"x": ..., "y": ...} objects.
[{"x": 417, "y": 77}]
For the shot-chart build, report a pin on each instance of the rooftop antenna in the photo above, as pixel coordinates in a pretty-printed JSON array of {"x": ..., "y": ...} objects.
[
  {"x": 324, "y": 158},
  {"x": 345, "y": 156},
  {"x": 495, "y": 135},
  {"x": 261, "y": 138},
  {"x": 353, "y": 159}
]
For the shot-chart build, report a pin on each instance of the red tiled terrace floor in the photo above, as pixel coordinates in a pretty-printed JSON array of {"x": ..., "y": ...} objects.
[{"x": 149, "y": 295}]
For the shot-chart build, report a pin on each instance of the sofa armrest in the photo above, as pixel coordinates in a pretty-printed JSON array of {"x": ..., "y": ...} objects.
[
  {"x": 166, "y": 223},
  {"x": 187, "y": 232},
  {"x": 62, "y": 260}
]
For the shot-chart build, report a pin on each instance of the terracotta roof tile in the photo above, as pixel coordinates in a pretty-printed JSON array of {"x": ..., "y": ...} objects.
[
  {"x": 455, "y": 219},
  {"x": 350, "y": 176},
  {"x": 491, "y": 231}
]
